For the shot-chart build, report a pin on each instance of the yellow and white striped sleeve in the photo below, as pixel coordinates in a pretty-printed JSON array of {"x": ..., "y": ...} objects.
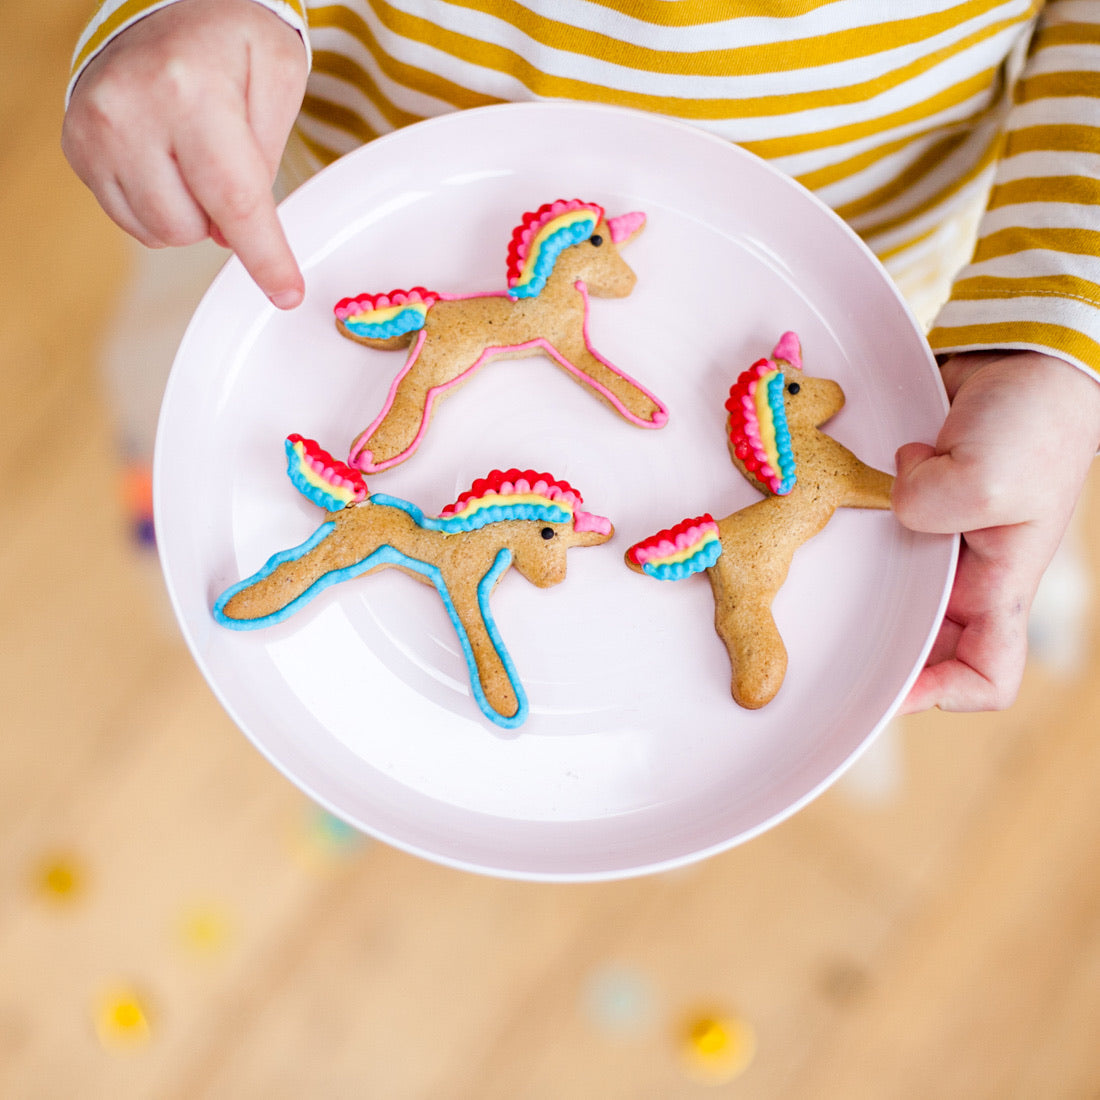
[
  {"x": 1034, "y": 278},
  {"x": 114, "y": 16}
]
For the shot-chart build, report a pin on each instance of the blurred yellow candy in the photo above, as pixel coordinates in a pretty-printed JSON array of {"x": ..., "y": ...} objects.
[
  {"x": 59, "y": 878},
  {"x": 717, "y": 1046},
  {"x": 206, "y": 929},
  {"x": 121, "y": 1019}
]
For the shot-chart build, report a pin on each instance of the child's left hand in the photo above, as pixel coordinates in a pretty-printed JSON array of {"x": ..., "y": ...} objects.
[{"x": 1007, "y": 470}]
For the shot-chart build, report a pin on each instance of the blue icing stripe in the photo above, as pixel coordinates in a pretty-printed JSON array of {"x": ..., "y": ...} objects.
[
  {"x": 387, "y": 555},
  {"x": 494, "y": 513},
  {"x": 784, "y": 453},
  {"x": 703, "y": 558},
  {"x": 553, "y": 246},
  {"x": 408, "y": 320}
]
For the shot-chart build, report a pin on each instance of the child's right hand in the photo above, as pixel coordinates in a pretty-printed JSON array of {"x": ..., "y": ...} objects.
[{"x": 178, "y": 127}]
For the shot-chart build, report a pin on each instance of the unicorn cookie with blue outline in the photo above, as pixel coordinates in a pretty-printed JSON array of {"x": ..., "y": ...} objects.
[
  {"x": 774, "y": 439},
  {"x": 559, "y": 256},
  {"x": 510, "y": 518}
]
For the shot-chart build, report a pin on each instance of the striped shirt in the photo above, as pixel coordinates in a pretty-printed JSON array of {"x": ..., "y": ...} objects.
[{"x": 902, "y": 116}]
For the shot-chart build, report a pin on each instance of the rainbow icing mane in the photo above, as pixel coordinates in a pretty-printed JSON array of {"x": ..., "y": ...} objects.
[
  {"x": 518, "y": 494},
  {"x": 541, "y": 237},
  {"x": 321, "y": 478},
  {"x": 384, "y": 316},
  {"x": 690, "y": 547},
  {"x": 758, "y": 431}
]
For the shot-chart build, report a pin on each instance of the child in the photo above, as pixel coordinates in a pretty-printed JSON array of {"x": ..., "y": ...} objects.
[{"x": 180, "y": 113}]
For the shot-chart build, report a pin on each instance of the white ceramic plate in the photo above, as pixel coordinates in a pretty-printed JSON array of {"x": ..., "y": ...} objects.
[{"x": 634, "y": 757}]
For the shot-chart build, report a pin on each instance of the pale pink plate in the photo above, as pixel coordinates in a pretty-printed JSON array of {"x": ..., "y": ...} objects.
[{"x": 634, "y": 758}]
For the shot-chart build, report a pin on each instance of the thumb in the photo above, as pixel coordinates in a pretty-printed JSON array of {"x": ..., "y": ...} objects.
[{"x": 932, "y": 491}]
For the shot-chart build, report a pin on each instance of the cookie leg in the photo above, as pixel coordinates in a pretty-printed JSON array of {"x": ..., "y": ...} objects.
[
  {"x": 289, "y": 580},
  {"x": 758, "y": 657},
  {"x": 493, "y": 677},
  {"x": 618, "y": 390},
  {"x": 397, "y": 430}
]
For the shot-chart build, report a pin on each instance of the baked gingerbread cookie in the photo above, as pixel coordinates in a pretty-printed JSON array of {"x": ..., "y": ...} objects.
[
  {"x": 774, "y": 439},
  {"x": 512, "y": 518},
  {"x": 559, "y": 256}
]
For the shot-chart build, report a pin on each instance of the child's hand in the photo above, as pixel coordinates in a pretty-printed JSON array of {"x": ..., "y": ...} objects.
[
  {"x": 178, "y": 127},
  {"x": 1006, "y": 470}
]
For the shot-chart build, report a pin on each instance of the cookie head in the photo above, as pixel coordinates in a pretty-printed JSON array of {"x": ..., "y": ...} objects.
[
  {"x": 770, "y": 405},
  {"x": 518, "y": 496},
  {"x": 577, "y": 236},
  {"x": 759, "y": 434}
]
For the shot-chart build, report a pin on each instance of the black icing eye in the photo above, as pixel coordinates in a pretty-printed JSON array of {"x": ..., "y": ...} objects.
[
  {"x": 793, "y": 388},
  {"x": 547, "y": 532},
  {"x": 595, "y": 239}
]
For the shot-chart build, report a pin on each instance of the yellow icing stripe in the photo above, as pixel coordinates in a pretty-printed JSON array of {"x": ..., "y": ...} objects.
[
  {"x": 341, "y": 492},
  {"x": 687, "y": 552},
  {"x": 766, "y": 419},
  {"x": 496, "y": 500},
  {"x": 387, "y": 313}
]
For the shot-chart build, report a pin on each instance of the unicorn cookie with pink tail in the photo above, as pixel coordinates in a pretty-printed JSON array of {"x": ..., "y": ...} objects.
[
  {"x": 511, "y": 518},
  {"x": 773, "y": 437},
  {"x": 559, "y": 256}
]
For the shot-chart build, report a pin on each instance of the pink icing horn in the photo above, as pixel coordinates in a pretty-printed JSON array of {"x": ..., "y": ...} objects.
[
  {"x": 626, "y": 226},
  {"x": 589, "y": 521},
  {"x": 789, "y": 349}
]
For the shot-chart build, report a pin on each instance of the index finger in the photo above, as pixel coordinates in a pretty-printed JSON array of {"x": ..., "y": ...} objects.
[{"x": 234, "y": 189}]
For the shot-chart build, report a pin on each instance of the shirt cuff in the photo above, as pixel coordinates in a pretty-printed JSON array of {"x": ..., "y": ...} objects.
[
  {"x": 115, "y": 16},
  {"x": 1063, "y": 326}
]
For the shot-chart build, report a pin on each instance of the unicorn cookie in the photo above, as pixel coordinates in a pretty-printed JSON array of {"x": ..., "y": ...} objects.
[
  {"x": 559, "y": 255},
  {"x": 519, "y": 518},
  {"x": 774, "y": 440}
]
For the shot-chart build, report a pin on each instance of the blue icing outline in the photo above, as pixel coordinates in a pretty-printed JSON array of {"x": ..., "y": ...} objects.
[
  {"x": 553, "y": 247},
  {"x": 493, "y": 513},
  {"x": 407, "y": 320},
  {"x": 388, "y": 555},
  {"x": 702, "y": 559}
]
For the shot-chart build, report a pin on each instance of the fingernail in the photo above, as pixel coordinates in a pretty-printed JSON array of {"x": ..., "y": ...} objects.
[{"x": 286, "y": 299}]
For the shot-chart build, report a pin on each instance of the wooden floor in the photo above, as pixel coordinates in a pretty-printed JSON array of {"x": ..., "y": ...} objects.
[{"x": 177, "y": 921}]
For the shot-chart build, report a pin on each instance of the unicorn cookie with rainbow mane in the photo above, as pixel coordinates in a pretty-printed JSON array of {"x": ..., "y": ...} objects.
[
  {"x": 513, "y": 518},
  {"x": 774, "y": 439},
  {"x": 559, "y": 256}
]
